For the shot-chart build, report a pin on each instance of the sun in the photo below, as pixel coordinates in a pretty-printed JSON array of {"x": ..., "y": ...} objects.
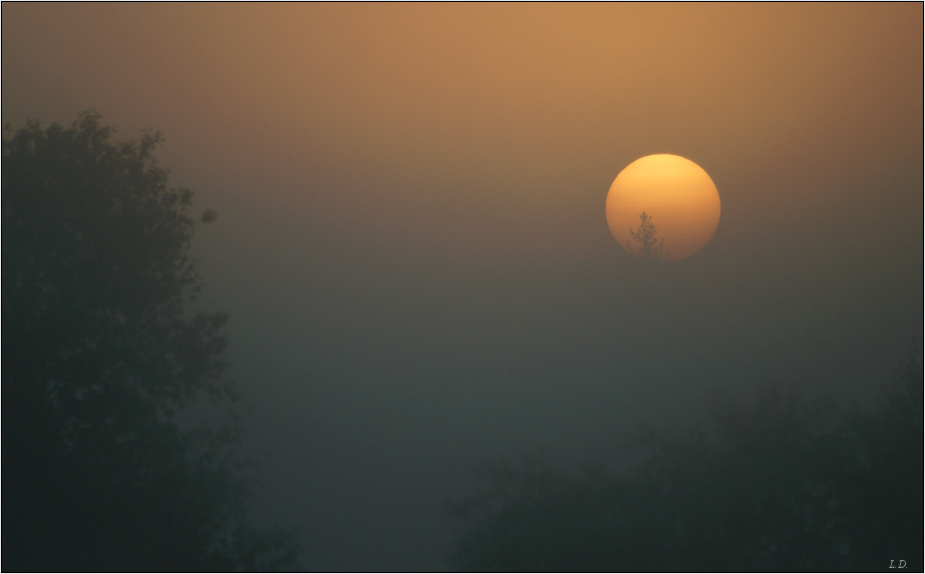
[{"x": 663, "y": 206}]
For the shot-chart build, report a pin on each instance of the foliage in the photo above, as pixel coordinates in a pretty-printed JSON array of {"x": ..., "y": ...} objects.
[
  {"x": 101, "y": 353},
  {"x": 651, "y": 248},
  {"x": 783, "y": 485}
]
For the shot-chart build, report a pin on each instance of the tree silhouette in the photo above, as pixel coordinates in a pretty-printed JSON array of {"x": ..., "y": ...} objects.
[
  {"x": 100, "y": 354},
  {"x": 651, "y": 248},
  {"x": 785, "y": 485}
]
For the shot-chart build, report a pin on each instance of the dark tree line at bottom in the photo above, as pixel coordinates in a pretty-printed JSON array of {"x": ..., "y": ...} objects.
[{"x": 785, "y": 485}]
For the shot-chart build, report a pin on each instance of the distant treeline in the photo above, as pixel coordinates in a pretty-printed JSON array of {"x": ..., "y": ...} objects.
[{"x": 785, "y": 485}]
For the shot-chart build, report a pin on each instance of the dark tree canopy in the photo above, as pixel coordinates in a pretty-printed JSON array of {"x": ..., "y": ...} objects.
[
  {"x": 782, "y": 486},
  {"x": 650, "y": 248},
  {"x": 100, "y": 352}
]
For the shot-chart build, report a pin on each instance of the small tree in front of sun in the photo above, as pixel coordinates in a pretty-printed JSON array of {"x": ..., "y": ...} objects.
[{"x": 651, "y": 248}]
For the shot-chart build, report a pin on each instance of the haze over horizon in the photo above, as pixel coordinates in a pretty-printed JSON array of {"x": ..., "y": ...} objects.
[{"x": 411, "y": 242}]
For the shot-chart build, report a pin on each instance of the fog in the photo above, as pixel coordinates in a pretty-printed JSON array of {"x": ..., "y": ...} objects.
[{"x": 411, "y": 242}]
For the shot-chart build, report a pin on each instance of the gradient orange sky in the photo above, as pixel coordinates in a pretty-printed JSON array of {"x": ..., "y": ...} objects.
[
  {"x": 439, "y": 111},
  {"x": 411, "y": 241}
]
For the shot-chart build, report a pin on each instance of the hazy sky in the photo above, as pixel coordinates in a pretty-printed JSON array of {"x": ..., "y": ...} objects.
[{"x": 411, "y": 241}]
